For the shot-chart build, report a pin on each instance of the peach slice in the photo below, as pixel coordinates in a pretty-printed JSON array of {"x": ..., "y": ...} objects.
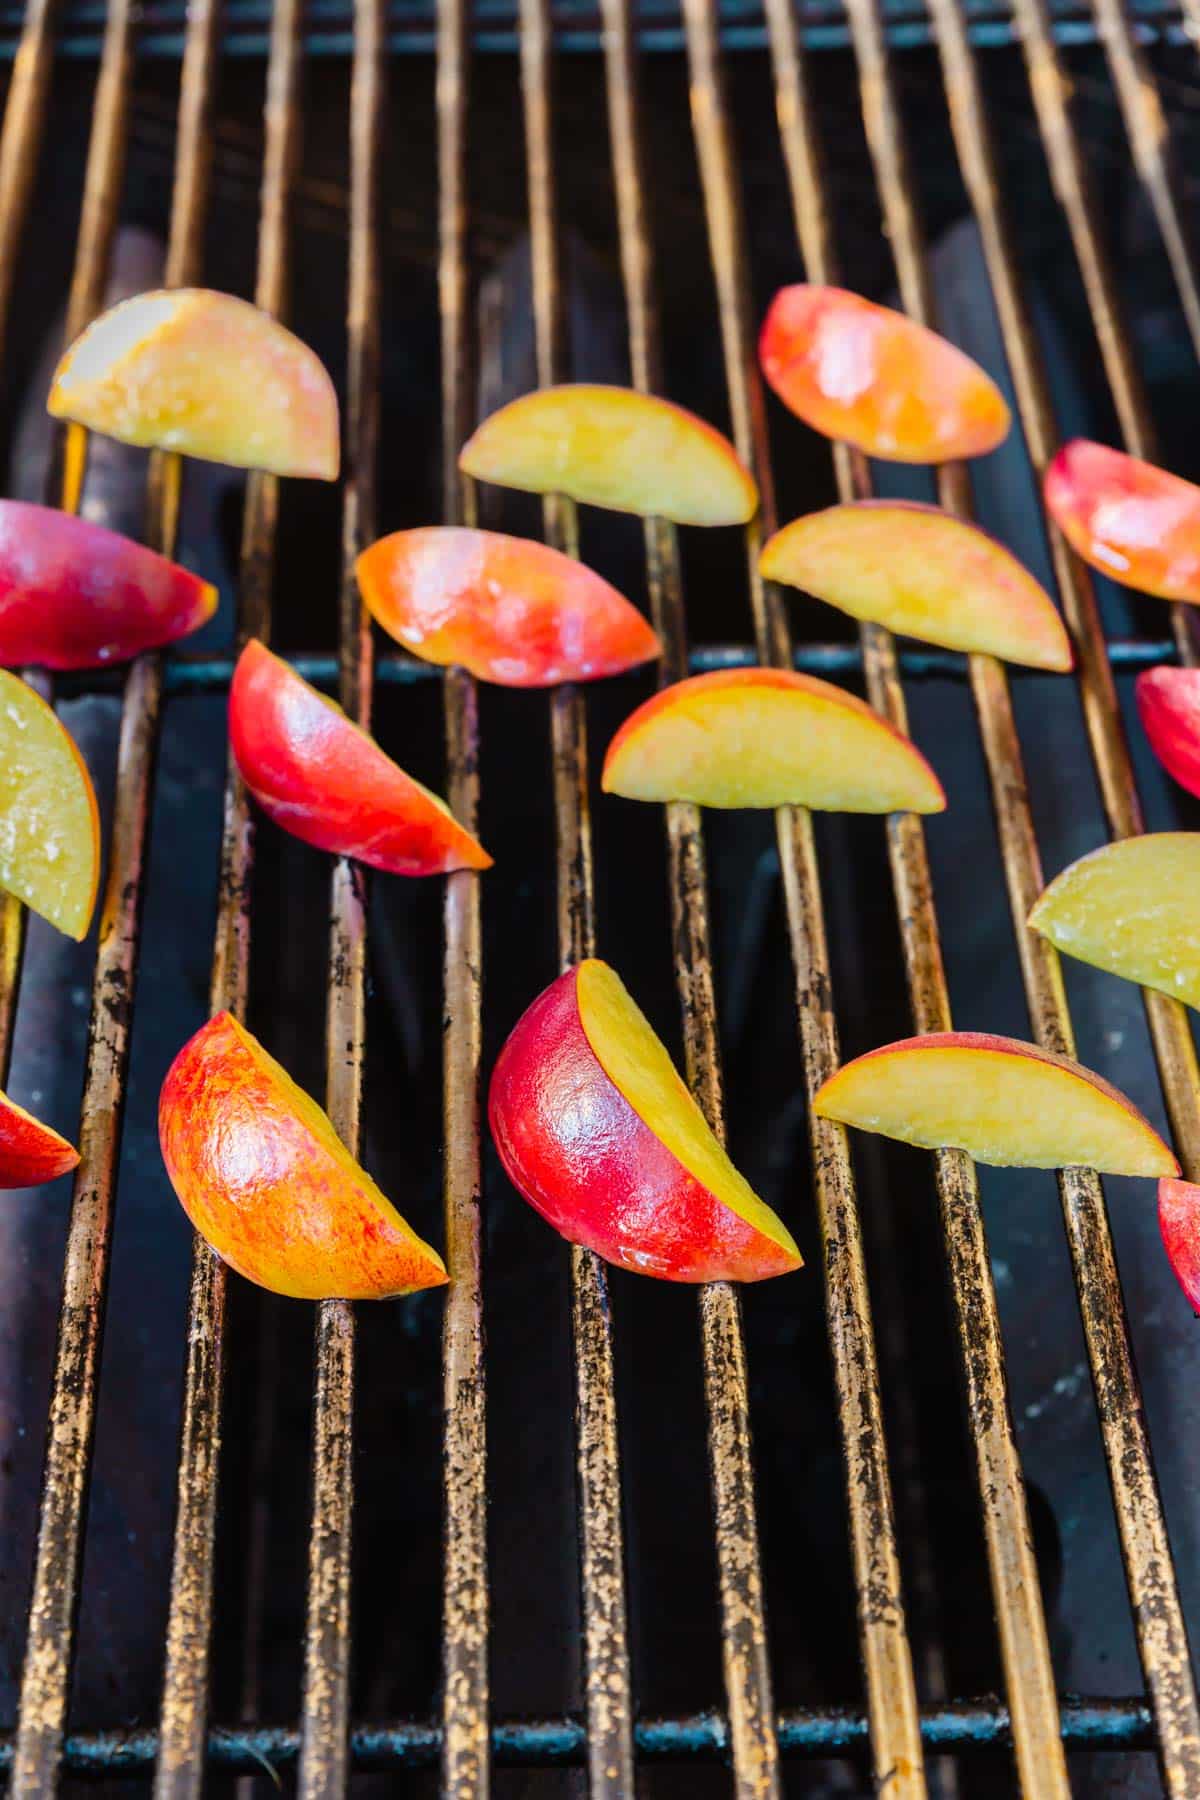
[
  {"x": 205, "y": 374},
  {"x": 508, "y": 609},
  {"x": 1179, "y": 1222},
  {"x": 614, "y": 447},
  {"x": 1168, "y": 703},
  {"x": 76, "y": 596},
  {"x": 265, "y": 1178},
  {"x": 318, "y": 776},
  {"x": 49, "y": 822},
  {"x": 874, "y": 378},
  {"x": 30, "y": 1152},
  {"x": 1002, "y": 1101},
  {"x": 1133, "y": 908},
  {"x": 601, "y": 1136},
  {"x": 1133, "y": 522},
  {"x": 920, "y": 571},
  {"x": 764, "y": 737}
]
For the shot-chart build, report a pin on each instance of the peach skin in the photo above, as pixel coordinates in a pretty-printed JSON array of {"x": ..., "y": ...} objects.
[
  {"x": 30, "y": 1152},
  {"x": 76, "y": 596},
  {"x": 920, "y": 571},
  {"x": 260, "y": 1171},
  {"x": 1133, "y": 908},
  {"x": 874, "y": 378},
  {"x": 207, "y": 375},
  {"x": 49, "y": 822},
  {"x": 510, "y": 610},
  {"x": 1133, "y": 522},
  {"x": 599, "y": 1133},
  {"x": 1179, "y": 1223},
  {"x": 614, "y": 447},
  {"x": 318, "y": 776},
  {"x": 764, "y": 737},
  {"x": 1002, "y": 1101},
  {"x": 1168, "y": 703}
]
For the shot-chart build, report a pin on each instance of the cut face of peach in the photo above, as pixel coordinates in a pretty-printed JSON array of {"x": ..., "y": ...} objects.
[
  {"x": 508, "y": 609},
  {"x": 614, "y": 447},
  {"x": 49, "y": 824},
  {"x": 30, "y": 1152},
  {"x": 264, "y": 1177},
  {"x": 764, "y": 737},
  {"x": 919, "y": 571},
  {"x": 874, "y": 378},
  {"x": 1002, "y": 1101},
  {"x": 1133, "y": 908},
  {"x": 1133, "y": 522},
  {"x": 1168, "y": 703},
  {"x": 204, "y": 374}
]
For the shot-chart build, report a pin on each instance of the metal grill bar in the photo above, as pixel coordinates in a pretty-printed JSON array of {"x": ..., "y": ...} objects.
[{"x": 895, "y": 1733}]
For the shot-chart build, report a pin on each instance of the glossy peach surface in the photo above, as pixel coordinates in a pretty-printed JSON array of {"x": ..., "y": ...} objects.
[
  {"x": 76, "y": 596},
  {"x": 874, "y": 378},
  {"x": 263, "y": 1176},
  {"x": 599, "y": 1133},
  {"x": 49, "y": 823},
  {"x": 614, "y": 447},
  {"x": 1132, "y": 907},
  {"x": 30, "y": 1152},
  {"x": 510, "y": 610},
  {"x": 922, "y": 572},
  {"x": 764, "y": 737},
  {"x": 318, "y": 776},
  {"x": 1179, "y": 1222},
  {"x": 205, "y": 374},
  {"x": 1003, "y": 1101},
  {"x": 1131, "y": 521},
  {"x": 1168, "y": 703}
]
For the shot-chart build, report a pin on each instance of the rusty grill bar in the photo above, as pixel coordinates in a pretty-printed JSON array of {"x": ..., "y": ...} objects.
[{"x": 1035, "y": 1719}]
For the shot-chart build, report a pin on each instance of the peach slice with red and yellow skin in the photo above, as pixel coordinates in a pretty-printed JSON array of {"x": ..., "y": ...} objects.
[
  {"x": 1133, "y": 908},
  {"x": 1179, "y": 1223},
  {"x": 49, "y": 821},
  {"x": 599, "y": 1133},
  {"x": 74, "y": 595},
  {"x": 264, "y": 1177},
  {"x": 920, "y": 571},
  {"x": 30, "y": 1152},
  {"x": 874, "y": 378},
  {"x": 508, "y": 609},
  {"x": 614, "y": 447},
  {"x": 317, "y": 775},
  {"x": 1168, "y": 703},
  {"x": 1131, "y": 521},
  {"x": 767, "y": 737},
  {"x": 1003, "y": 1101},
  {"x": 204, "y": 374}
]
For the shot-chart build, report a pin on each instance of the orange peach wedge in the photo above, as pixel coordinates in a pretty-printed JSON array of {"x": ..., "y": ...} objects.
[
  {"x": 30, "y": 1152},
  {"x": 205, "y": 374},
  {"x": 614, "y": 447},
  {"x": 1132, "y": 521},
  {"x": 49, "y": 824},
  {"x": 872, "y": 377},
  {"x": 262, "y": 1174},
  {"x": 1133, "y": 908},
  {"x": 1003, "y": 1101},
  {"x": 924, "y": 573},
  {"x": 764, "y": 737}
]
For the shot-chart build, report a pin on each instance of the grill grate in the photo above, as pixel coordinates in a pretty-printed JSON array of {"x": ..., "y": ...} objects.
[{"x": 324, "y": 1748}]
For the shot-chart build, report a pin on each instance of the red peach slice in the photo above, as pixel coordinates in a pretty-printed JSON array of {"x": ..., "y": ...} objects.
[
  {"x": 1179, "y": 1222},
  {"x": 874, "y": 378},
  {"x": 264, "y": 1177},
  {"x": 508, "y": 609},
  {"x": 204, "y": 374},
  {"x": 1168, "y": 703},
  {"x": 601, "y": 1136},
  {"x": 922, "y": 572},
  {"x": 614, "y": 447},
  {"x": 1133, "y": 908},
  {"x": 30, "y": 1152},
  {"x": 76, "y": 596},
  {"x": 1133, "y": 522},
  {"x": 49, "y": 822},
  {"x": 1002, "y": 1101},
  {"x": 318, "y": 776},
  {"x": 764, "y": 737}
]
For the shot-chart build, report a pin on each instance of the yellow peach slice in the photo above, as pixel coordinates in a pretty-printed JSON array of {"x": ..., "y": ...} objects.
[
  {"x": 49, "y": 824},
  {"x": 207, "y": 375}
]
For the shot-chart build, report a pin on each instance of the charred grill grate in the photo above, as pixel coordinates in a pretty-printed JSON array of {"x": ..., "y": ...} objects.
[{"x": 891, "y": 1728}]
